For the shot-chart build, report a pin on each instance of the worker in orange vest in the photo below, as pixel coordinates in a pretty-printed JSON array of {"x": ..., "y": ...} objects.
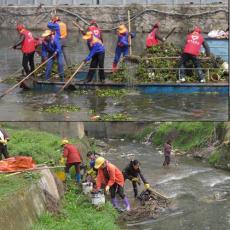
[
  {"x": 73, "y": 158},
  {"x": 109, "y": 175},
  {"x": 194, "y": 42},
  {"x": 154, "y": 37},
  {"x": 60, "y": 29},
  {"x": 27, "y": 43}
]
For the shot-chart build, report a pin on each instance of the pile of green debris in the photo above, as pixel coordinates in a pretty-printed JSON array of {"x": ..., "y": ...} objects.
[{"x": 160, "y": 64}]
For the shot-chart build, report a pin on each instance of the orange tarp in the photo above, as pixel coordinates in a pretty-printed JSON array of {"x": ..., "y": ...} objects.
[{"x": 18, "y": 163}]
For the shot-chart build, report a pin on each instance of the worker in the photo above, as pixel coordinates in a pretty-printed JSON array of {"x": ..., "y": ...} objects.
[
  {"x": 94, "y": 28},
  {"x": 154, "y": 36},
  {"x": 4, "y": 138},
  {"x": 113, "y": 179},
  {"x": 97, "y": 54},
  {"x": 73, "y": 157},
  {"x": 194, "y": 42},
  {"x": 122, "y": 47},
  {"x": 60, "y": 30},
  {"x": 167, "y": 153},
  {"x": 91, "y": 171},
  {"x": 50, "y": 46},
  {"x": 133, "y": 173},
  {"x": 27, "y": 45}
]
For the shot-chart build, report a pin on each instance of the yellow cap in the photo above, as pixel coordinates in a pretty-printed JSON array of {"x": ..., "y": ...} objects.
[
  {"x": 64, "y": 141},
  {"x": 122, "y": 29},
  {"x": 99, "y": 162},
  {"x": 47, "y": 33},
  {"x": 88, "y": 35}
]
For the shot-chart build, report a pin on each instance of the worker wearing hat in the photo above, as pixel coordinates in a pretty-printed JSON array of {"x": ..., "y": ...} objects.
[
  {"x": 51, "y": 46},
  {"x": 194, "y": 42},
  {"x": 154, "y": 37},
  {"x": 113, "y": 179},
  {"x": 122, "y": 47},
  {"x": 97, "y": 54},
  {"x": 27, "y": 45},
  {"x": 60, "y": 30},
  {"x": 73, "y": 158}
]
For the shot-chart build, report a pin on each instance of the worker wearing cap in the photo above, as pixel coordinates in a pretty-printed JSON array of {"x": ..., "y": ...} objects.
[
  {"x": 154, "y": 36},
  {"x": 113, "y": 179},
  {"x": 133, "y": 173},
  {"x": 194, "y": 42},
  {"x": 97, "y": 54},
  {"x": 51, "y": 46},
  {"x": 4, "y": 138},
  {"x": 122, "y": 47},
  {"x": 60, "y": 30},
  {"x": 27, "y": 43},
  {"x": 73, "y": 157}
]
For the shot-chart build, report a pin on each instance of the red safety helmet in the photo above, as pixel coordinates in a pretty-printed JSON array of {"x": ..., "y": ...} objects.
[
  {"x": 197, "y": 29},
  {"x": 20, "y": 27}
]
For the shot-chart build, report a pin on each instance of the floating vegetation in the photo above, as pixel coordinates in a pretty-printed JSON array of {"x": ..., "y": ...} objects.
[
  {"x": 60, "y": 108},
  {"x": 111, "y": 117},
  {"x": 111, "y": 92},
  {"x": 160, "y": 64}
]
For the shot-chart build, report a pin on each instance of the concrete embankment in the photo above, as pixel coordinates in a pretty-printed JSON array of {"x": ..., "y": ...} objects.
[{"x": 184, "y": 17}]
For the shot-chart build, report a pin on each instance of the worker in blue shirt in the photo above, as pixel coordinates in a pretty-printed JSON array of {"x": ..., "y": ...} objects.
[
  {"x": 51, "y": 46},
  {"x": 122, "y": 47},
  {"x": 97, "y": 54}
]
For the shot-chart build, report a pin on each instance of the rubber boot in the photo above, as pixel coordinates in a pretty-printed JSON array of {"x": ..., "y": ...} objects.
[
  {"x": 114, "y": 203},
  {"x": 127, "y": 205},
  {"x": 78, "y": 178},
  {"x": 114, "y": 67}
]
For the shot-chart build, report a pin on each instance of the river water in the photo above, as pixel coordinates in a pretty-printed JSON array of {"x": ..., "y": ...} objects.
[
  {"x": 25, "y": 106},
  {"x": 200, "y": 194}
]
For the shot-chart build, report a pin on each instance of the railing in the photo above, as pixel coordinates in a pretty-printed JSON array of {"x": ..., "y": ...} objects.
[{"x": 109, "y": 2}]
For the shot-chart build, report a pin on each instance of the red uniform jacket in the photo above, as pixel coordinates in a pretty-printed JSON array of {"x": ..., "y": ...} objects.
[
  {"x": 95, "y": 30},
  {"x": 72, "y": 154},
  {"x": 114, "y": 176},
  {"x": 151, "y": 39},
  {"x": 193, "y": 44},
  {"x": 28, "y": 44}
]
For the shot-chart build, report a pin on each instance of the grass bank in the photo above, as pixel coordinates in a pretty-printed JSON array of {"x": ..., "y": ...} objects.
[
  {"x": 193, "y": 137},
  {"x": 78, "y": 213}
]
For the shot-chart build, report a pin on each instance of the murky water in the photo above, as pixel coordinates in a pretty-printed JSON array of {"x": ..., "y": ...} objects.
[
  {"x": 25, "y": 106},
  {"x": 200, "y": 194}
]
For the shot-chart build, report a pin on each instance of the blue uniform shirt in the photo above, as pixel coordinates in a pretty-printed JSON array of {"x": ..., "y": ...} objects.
[{"x": 97, "y": 48}]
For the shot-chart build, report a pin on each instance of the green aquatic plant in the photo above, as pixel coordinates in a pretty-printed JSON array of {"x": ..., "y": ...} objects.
[
  {"x": 115, "y": 117},
  {"x": 60, "y": 108},
  {"x": 111, "y": 92}
]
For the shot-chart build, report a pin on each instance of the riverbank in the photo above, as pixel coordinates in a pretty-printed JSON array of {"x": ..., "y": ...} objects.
[
  {"x": 75, "y": 208},
  {"x": 208, "y": 141}
]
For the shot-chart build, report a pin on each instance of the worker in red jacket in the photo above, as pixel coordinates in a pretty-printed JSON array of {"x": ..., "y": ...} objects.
[
  {"x": 194, "y": 42},
  {"x": 73, "y": 157},
  {"x": 109, "y": 175},
  {"x": 154, "y": 36},
  {"x": 27, "y": 43}
]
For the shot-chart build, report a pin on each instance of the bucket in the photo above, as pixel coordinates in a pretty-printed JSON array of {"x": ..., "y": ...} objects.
[
  {"x": 98, "y": 198},
  {"x": 87, "y": 187},
  {"x": 61, "y": 175}
]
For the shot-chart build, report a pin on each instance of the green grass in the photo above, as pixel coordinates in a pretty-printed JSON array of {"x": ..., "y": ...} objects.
[
  {"x": 42, "y": 146},
  {"x": 186, "y": 136},
  {"x": 78, "y": 213},
  {"x": 11, "y": 184}
]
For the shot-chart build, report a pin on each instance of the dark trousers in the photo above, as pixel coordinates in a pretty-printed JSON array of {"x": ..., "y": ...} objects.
[
  {"x": 135, "y": 188},
  {"x": 116, "y": 188},
  {"x": 196, "y": 62},
  {"x": 4, "y": 151},
  {"x": 28, "y": 59},
  {"x": 69, "y": 165},
  {"x": 97, "y": 60},
  {"x": 167, "y": 160}
]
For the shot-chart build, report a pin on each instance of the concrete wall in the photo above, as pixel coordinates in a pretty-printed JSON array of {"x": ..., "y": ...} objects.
[
  {"x": 184, "y": 17},
  {"x": 106, "y": 2},
  {"x": 21, "y": 210},
  {"x": 113, "y": 129}
]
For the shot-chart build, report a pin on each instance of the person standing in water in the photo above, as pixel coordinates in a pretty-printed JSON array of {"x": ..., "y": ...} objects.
[{"x": 167, "y": 153}]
